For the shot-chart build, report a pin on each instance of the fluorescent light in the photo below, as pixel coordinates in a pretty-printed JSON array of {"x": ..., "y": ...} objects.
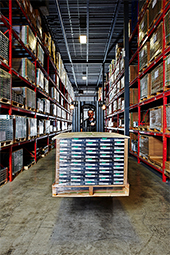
[
  {"x": 83, "y": 39},
  {"x": 84, "y": 78}
]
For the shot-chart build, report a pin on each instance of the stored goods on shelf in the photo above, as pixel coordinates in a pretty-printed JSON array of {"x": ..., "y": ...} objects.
[
  {"x": 156, "y": 42},
  {"x": 167, "y": 71},
  {"x": 118, "y": 86},
  {"x": 155, "y": 7},
  {"x": 47, "y": 41},
  {"x": 20, "y": 127},
  {"x": 141, "y": 5},
  {"x": 32, "y": 127},
  {"x": 156, "y": 118},
  {"x": 167, "y": 28},
  {"x": 40, "y": 105},
  {"x": 53, "y": 93},
  {"x": 118, "y": 50},
  {"x": 133, "y": 96},
  {"x": 134, "y": 142},
  {"x": 157, "y": 79},
  {"x": 121, "y": 64},
  {"x": 144, "y": 56},
  {"x": 143, "y": 26},
  {"x": 53, "y": 50},
  {"x": 28, "y": 37},
  {"x": 64, "y": 114},
  {"x": 120, "y": 103},
  {"x": 168, "y": 116},
  {"x": 121, "y": 122},
  {"x": 40, "y": 128},
  {"x": 59, "y": 112},
  {"x": 40, "y": 78},
  {"x": 29, "y": 97},
  {"x": 46, "y": 85},
  {"x": 144, "y": 146},
  {"x": 47, "y": 126},
  {"x": 64, "y": 126},
  {"x": 58, "y": 126},
  {"x": 46, "y": 105},
  {"x": 3, "y": 175},
  {"x": 115, "y": 89},
  {"x": 145, "y": 86},
  {"x": 5, "y": 85},
  {"x": 133, "y": 72},
  {"x": 6, "y": 128},
  {"x": 38, "y": 22},
  {"x": 106, "y": 167},
  {"x": 17, "y": 97},
  {"x": 122, "y": 83},
  {"x": 117, "y": 70},
  {"x": 123, "y": 104},
  {"x": 25, "y": 68},
  {"x": 133, "y": 119},
  {"x": 17, "y": 161},
  {"x": 53, "y": 110},
  {"x": 110, "y": 108},
  {"x": 115, "y": 105},
  {"x": 4, "y": 47},
  {"x": 40, "y": 53}
]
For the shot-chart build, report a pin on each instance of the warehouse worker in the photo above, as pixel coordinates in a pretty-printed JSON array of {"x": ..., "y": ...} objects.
[{"x": 90, "y": 123}]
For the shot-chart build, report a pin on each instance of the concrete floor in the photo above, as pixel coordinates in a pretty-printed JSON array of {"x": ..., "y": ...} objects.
[{"x": 32, "y": 222}]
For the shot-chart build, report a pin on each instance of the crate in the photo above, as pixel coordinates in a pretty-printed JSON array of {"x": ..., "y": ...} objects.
[
  {"x": 82, "y": 174},
  {"x": 143, "y": 26},
  {"x": 6, "y": 129},
  {"x": 167, "y": 71},
  {"x": 17, "y": 161},
  {"x": 133, "y": 96},
  {"x": 156, "y": 119},
  {"x": 155, "y": 8},
  {"x": 4, "y": 47},
  {"x": 156, "y": 42},
  {"x": 5, "y": 86},
  {"x": 25, "y": 68},
  {"x": 145, "y": 87},
  {"x": 31, "y": 127},
  {"x": 157, "y": 79},
  {"x": 144, "y": 56},
  {"x": 40, "y": 54},
  {"x": 167, "y": 28},
  {"x": 20, "y": 128}
]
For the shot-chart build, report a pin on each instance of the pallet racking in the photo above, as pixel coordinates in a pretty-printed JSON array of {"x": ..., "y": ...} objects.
[
  {"x": 13, "y": 13},
  {"x": 153, "y": 99}
]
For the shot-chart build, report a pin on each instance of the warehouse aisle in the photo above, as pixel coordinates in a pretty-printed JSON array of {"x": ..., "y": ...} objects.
[{"x": 32, "y": 222}]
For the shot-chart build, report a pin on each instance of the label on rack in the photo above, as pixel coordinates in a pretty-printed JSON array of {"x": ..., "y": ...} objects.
[
  {"x": 156, "y": 74},
  {"x": 154, "y": 3}
]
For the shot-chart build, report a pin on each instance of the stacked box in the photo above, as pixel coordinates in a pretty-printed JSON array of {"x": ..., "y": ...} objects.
[
  {"x": 133, "y": 119},
  {"x": 155, "y": 7},
  {"x": 28, "y": 37},
  {"x": 167, "y": 71},
  {"x": 46, "y": 105},
  {"x": 17, "y": 96},
  {"x": 143, "y": 26},
  {"x": 32, "y": 127},
  {"x": 47, "y": 41},
  {"x": 167, "y": 28},
  {"x": 133, "y": 96},
  {"x": 156, "y": 42},
  {"x": 64, "y": 125},
  {"x": 156, "y": 118},
  {"x": 40, "y": 78},
  {"x": 134, "y": 142},
  {"x": 29, "y": 96},
  {"x": 133, "y": 72},
  {"x": 46, "y": 85},
  {"x": 6, "y": 128},
  {"x": 59, "y": 112},
  {"x": 17, "y": 161},
  {"x": 40, "y": 54},
  {"x": 53, "y": 50},
  {"x": 40, "y": 128},
  {"x": 20, "y": 127},
  {"x": 168, "y": 116},
  {"x": 115, "y": 105},
  {"x": 157, "y": 79},
  {"x": 38, "y": 21},
  {"x": 123, "y": 104},
  {"x": 144, "y": 56},
  {"x": 53, "y": 110},
  {"x": 47, "y": 126},
  {"x": 5, "y": 84},
  {"x": 144, "y": 146},
  {"x": 4, "y": 46},
  {"x": 24, "y": 67},
  {"x": 54, "y": 93},
  {"x": 40, "y": 105},
  {"x": 145, "y": 86},
  {"x": 150, "y": 146}
]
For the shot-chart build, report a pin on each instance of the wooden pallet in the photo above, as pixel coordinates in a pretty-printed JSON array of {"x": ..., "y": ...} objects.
[
  {"x": 157, "y": 92},
  {"x": 5, "y": 143},
  {"x": 30, "y": 108},
  {"x": 39, "y": 135},
  {"x": 28, "y": 79},
  {"x": 143, "y": 128},
  {"x": 155, "y": 57},
  {"x": 90, "y": 191},
  {"x": 19, "y": 140},
  {"x": 32, "y": 137},
  {"x": 16, "y": 104},
  {"x": 3, "y": 60},
  {"x": 45, "y": 154},
  {"x": 157, "y": 161},
  {"x": 29, "y": 165},
  {"x": 5, "y": 100},
  {"x": 28, "y": 46},
  {"x": 160, "y": 130}
]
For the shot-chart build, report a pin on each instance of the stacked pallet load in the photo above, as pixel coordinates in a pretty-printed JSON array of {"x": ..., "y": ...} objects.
[
  {"x": 17, "y": 161},
  {"x": 40, "y": 105},
  {"x": 5, "y": 86},
  {"x": 156, "y": 119},
  {"x": 31, "y": 127},
  {"x": 155, "y": 7},
  {"x": 145, "y": 87},
  {"x": 157, "y": 79},
  {"x": 40, "y": 79},
  {"x": 40, "y": 127},
  {"x": 133, "y": 96},
  {"x": 25, "y": 68},
  {"x": 28, "y": 38},
  {"x": 4, "y": 46},
  {"x": 29, "y": 97},
  {"x": 91, "y": 164},
  {"x": 168, "y": 118},
  {"x": 167, "y": 71},
  {"x": 133, "y": 72},
  {"x": 17, "y": 98},
  {"x": 156, "y": 42},
  {"x": 40, "y": 54},
  {"x": 167, "y": 28},
  {"x": 20, "y": 128},
  {"x": 143, "y": 26},
  {"x": 6, "y": 130},
  {"x": 144, "y": 56}
]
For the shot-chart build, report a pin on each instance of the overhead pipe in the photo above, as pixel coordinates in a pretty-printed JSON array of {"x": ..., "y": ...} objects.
[
  {"x": 66, "y": 43},
  {"x": 110, "y": 37}
]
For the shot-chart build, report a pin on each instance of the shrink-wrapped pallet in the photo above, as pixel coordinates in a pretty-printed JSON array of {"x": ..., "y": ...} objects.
[
  {"x": 40, "y": 78},
  {"x": 17, "y": 96},
  {"x": 46, "y": 85},
  {"x": 157, "y": 79},
  {"x": 40, "y": 128},
  {"x": 32, "y": 127},
  {"x": 40, "y": 105},
  {"x": 143, "y": 26},
  {"x": 144, "y": 56},
  {"x": 20, "y": 127},
  {"x": 155, "y": 7},
  {"x": 144, "y": 146},
  {"x": 40, "y": 54},
  {"x": 4, "y": 47},
  {"x": 156, "y": 42},
  {"x": 25, "y": 68},
  {"x": 6, "y": 128},
  {"x": 53, "y": 110},
  {"x": 59, "y": 112},
  {"x": 145, "y": 86},
  {"x": 46, "y": 105},
  {"x": 156, "y": 118},
  {"x": 28, "y": 37},
  {"x": 122, "y": 83},
  {"x": 17, "y": 161},
  {"x": 167, "y": 71},
  {"x": 29, "y": 97},
  {"x": 115, "y": 105},
  {"x": 5, "y": 84},
  {"x": 53, "y": 93},
  {"x": 47, "y": 126},
  {"x": 168, "y": 116},
  {"x": 167, "y": 28}
]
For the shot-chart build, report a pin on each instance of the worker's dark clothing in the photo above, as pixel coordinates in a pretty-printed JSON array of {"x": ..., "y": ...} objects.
[{"x": 87, "y": 125}]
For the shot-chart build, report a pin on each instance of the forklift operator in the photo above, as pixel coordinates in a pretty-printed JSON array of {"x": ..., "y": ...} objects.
[{"x": 90, "y": 123}]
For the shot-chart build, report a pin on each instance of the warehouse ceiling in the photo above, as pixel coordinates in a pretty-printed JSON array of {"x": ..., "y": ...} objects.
[{"x": 101, "y": 21}]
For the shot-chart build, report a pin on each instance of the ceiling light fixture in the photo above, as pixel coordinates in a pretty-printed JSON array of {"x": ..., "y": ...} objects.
[
  {"x": 84, "y": 78},
  {"x": 83, "y": 39}
]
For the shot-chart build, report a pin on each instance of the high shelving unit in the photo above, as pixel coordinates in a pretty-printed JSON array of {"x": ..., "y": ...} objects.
[
  {"x": 12, "y": 14},
  {"x": 144, "y": 108}
]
